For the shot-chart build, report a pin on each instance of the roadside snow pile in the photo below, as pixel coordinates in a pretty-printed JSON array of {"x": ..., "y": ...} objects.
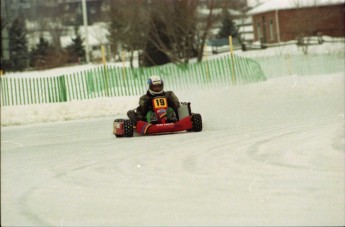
[{"x": 41, "y": 113}]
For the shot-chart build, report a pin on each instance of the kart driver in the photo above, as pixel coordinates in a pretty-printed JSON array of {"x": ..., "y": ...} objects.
[{"x": 145, "y": 110}]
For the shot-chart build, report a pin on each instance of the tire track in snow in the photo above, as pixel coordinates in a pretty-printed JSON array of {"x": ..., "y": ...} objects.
[
  {"x": 207, "y": 162},
  {"x": 292, "y": 137}
]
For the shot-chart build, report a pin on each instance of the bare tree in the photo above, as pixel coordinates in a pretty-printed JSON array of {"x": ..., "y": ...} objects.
[
  {"x": 118, "y": 25},
  {"x": 182, "y": 25},
  {"x": 187, "y": 37},
  {"x": 204, "y": 33},
  {"x": 173, "y": 28},
  {"x": 136, "y": 30},
  {"x": 128, "y": 26}
]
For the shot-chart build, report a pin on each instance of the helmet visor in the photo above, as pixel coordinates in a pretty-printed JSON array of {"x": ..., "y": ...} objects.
[{"x": 156, "y": 87}]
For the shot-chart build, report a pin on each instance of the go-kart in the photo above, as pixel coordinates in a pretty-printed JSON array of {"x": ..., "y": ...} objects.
[{"x": 186, "y": 121}]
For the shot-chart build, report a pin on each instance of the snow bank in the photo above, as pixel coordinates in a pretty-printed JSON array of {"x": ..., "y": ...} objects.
[{"x": 333, "y": 46}]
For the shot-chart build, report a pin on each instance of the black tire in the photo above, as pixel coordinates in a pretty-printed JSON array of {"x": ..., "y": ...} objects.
[
  {"x": 197, "y": 122},
  {"x": 128, "y": 128}
]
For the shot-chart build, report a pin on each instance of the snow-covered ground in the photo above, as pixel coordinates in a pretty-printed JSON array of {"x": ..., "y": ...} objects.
[{"x": 270, "y": 154}]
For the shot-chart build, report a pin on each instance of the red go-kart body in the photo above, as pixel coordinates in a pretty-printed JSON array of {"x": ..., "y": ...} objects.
[
  {"x": 145, "y": 128},
  {"x": 187, "y": 121}
]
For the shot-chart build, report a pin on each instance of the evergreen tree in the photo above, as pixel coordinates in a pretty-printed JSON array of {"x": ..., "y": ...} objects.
[
  {"x": 228, "y": 27},
  {"x": 40, "y": 54},
  {"x": 18, "y": 45},
  {"x": 76, "y": 51}
]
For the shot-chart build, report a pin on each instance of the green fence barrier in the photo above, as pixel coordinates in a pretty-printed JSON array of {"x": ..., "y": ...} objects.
[
  {"x": 302, "y": 65},
  {"x": 111, "y": 81},
  {"x": 23, "y": 91}
]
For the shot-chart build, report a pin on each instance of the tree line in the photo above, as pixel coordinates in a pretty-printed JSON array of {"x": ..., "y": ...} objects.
[
  {"x": 162, "y": 31},
  {"x": 43, "y": 56}
]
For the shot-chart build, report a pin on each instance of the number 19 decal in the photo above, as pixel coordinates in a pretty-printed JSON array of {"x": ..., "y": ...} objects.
[{"x": 160, "y": 103}]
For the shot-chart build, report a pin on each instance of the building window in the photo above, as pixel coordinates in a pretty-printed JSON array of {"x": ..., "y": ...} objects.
[
  {"x": 271, "y": 30},
  {"x": 258, "y": 28}
]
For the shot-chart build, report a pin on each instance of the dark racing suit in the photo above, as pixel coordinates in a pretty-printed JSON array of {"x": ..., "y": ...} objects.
[{"x": 145, "y": 105}]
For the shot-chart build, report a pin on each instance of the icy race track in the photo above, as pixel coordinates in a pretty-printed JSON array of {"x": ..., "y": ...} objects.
[{"x": 270, "y": 154}]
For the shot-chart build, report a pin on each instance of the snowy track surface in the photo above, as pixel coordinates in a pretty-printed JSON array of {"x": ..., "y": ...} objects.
[{"x": 270, "y": 154}]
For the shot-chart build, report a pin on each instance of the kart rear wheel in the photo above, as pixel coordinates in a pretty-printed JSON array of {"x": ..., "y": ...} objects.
[
  {"x": 128, "y": 128},
  {"x": 197, "y": 122}
]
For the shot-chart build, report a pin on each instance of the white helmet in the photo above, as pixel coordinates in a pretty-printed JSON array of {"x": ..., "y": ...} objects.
[{"x": 156, "y": 85}]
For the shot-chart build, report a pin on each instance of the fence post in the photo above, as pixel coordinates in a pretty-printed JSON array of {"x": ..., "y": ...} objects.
[
  {"x": 2, "y": 93},
  {"x": 105, "y": 71},
  {"x": 123, "y": 64},
  {"x": 232, "y": 60},
  {"x": 63, "y": 93},
  {"x": 289, "y": 64},
  {"x": 207, "y": 66}
]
